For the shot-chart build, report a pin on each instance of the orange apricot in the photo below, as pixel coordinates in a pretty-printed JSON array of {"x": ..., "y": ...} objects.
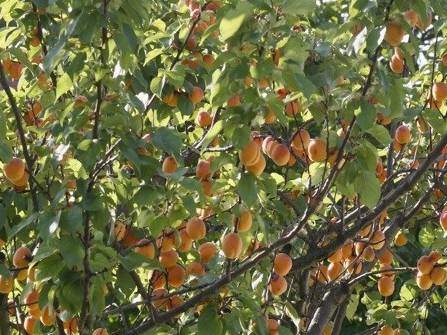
[
  {"x": 425, "y": 265},
  {"x": 186, "y": 241},
  {"x": 424, "y": 281},
  {"x": 158, "y": 279},
  {"x": 282, "y": 264},
  {"x": 169, "y": 165},
  {"x": 396, "y": 64},
  {"x": 14, "y": 169},
  {"x": 203, "y": 169},
  {"x": 411, "y": 17},
  {"x": 278, "y": 285},
  {"x": 174, "y": 302},
  {"x": 347, "y": 249},
  {"x": 234, "y": 101},
  {"x": 301, "y": 139},
  {"x": 176, "y": 275},
  {"x": 334, "y": 270},
  {"x": 6, "y": 284},
  {"x": 438, "y": 275},
  {"x": 270, "y": 117},
  {"x": 257, "y": 168},
  {"x": 280, "y": 154},
  {"x": 272, "y": 326},
  {"x": 402, "y": 134},
  {"x": 158, "y": 299},
  {"x": 385, "y": 286},
  {"x": 29, "y": 324},
  {"x": 232, "y": 245},
  {"x": 369, "y": 254},
  {"x": 386, "y": 256},
  {"x": 21, "y": 257},
  {"x": 249, "y": 155},
  {"x": 196, "y": 95},
  {"x": 207, "y": 251},
  {"x": 245, "y": 221},
  {"x": 443, "y": 220},
  {"x": 195, "y": 228},
  {"x": 378, "y": 240},
  {"x": 204, "y": 119},
  {"x": 71, "y": 326},
  {"x": 317, "y": 150},
  {"x": 100, "y": 331},
  {"x": 394, "y": 34},
  {"x": 435, "y": 256},
  {"x": 400, "y": 239},
  {"x": 336, "y": 256},
  {"x": 48, "y": 315},
  {"x": 171, "y": 99},
  {"x": 168, "y": 258},
  {"x": 146, "y": 249},
  {"x": 385, "y": 330},
  {"x": 292, "y": 108},
  {"x": 439, "y": 91},
  {"x": 195, "y": 269},
  {"x": 208, "y": 59}
]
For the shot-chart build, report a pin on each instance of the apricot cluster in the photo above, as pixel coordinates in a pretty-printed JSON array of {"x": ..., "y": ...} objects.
[
  {"x": 430, "y": 272},
  {"x": 16, "y": 173}
]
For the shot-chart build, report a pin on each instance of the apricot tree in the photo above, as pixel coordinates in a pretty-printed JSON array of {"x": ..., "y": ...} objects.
[{"x": 223, "y": 166}]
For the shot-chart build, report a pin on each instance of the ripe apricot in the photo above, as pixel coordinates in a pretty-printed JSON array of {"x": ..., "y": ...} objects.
[
  {"x": 203, "y": 169},
  {"x": 334, "y": 270},
  {"x": 317, "y": 150},
  {"x": 443, "y": 220},
  {"x": 359, "y": 247},
  {"x": 385, "y": 286},
  {"x": 292, "y": 108},
  {"x": 207, "y": 251},
  {"x": 353, "y": 265},
  {"x": 386, "y": 257},
  {"x": 402, "y": 134},
  {"x": 171, "y": 99},
  {"x": 234, "y": 101},
  {"x": 300, "y": 140},
  {"x": 411, "y": 17},
  {"x": 100, "y": 331},
  {"x": 280, "y": 154},
  {"x": 208, "y": 59},
  {"x": 186, "y": 241},
  {"x": 2, "y": 243},
  {"x": 15, "y": 70},
  {"x": 425, "y": 265},
  {"x": 322, "y": 275},
  {"x": 249, "y": 155},
  {"x": 347, "y": 249},
  {"x": 6, "y": 284},
  {"x": 196, "y": 229},
  {"x": 166, "y": 242},
  {"x": 204, "y": 119},
  {"x": 14, "y": 169},
  {"x": 169, "y": 165},
  {"x": 195, "y": 269},
  {"x": 244, "y": 221},
  {"x": 129, "y": 239},
  {"x": 438, "y": 275},
  {"x": 278, "y": 285},
  {"x": 435, "y": 256},
  {"x": 444, "y": 59},
  {"x": 22, "y": 182},
  {"x": 48, "y": 315},
  {"x": 396, "y": 64},
  {"x": 378, "y": 240},
  {"x": 282, "y": 264},
  {"x": 168, "y": 258},
  {"x": 29, "y": 324},
  {"x": 176, "y": 275},
  {"x": 21, "y": 275},
  {"x": 258, "y": 168},
  {"x": 21, "y": 257},
  {"x": 272, "y": 326},
  {"x": 424, "y": 281},
  {"x": 327, "y": 330},
  {"x": 232, "y": 245},
  {"x": 394, "y": 34},
  {"x": 369, "y": 254},
  {"x": 147, "y": 249},
  {"x": 386, "y": 330},
  {"x": 71, "y": 326},
  {"x": 158, "y": 279},
  {"x": 119, "y": 230},
  {"x": 196, "y": 95},
  {"x": 336, "y": 256},
  {"x": 400, "y": 239},
  {"x": 439, "y": 91}
]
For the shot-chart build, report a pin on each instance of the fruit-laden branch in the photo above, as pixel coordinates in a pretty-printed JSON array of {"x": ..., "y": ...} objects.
[
  {"x": 17, "y": 115},
  {"x": 341, "y": 291}
]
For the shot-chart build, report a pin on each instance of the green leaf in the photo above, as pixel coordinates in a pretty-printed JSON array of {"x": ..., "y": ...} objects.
[
  {"x": 209, "y": 320},
  {"x": 167, "y": 140},
  {"x": 72, "y": 250},
  {"x": 233, "y": 19},
  {"x": 212, "y": 133},
  {"x": 49, "y": 268},
  {"x": 426, "y": 236},
  {"x": 247, "y": 189},
  {"x": 64, "y": 84},
  {"x": 366, "y": 116},
  {"x": 22, "y": 225},
  {"x": 380, "y": 133},
  {"x": 352, "y": 306},
  {"x": 396, "y": 95},
  {"x": 301, "y": 7},
  {"x": 368, "y": 187},
  {"x": 124, "y": 281}
]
